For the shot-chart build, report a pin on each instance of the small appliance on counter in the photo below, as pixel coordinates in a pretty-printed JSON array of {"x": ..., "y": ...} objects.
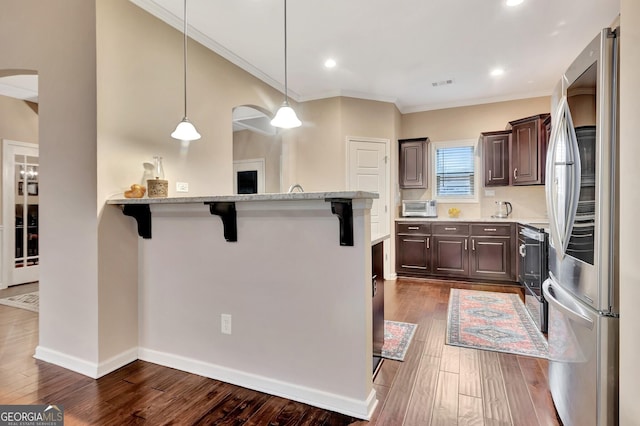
[
  {"x": 503, "y": 209},
  {"x": 533, "y": 270},
  {"x": 419, "y": 208}
]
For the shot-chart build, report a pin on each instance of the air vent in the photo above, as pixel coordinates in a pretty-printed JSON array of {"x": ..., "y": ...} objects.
[{"x": 442, "y": 83}]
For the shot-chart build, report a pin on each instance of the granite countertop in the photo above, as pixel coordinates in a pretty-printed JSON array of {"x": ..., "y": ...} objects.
[
  {"x": 293, "y": 196},
  {"x": 540, "y": 222},
  {"x": 375, "y": 239}
]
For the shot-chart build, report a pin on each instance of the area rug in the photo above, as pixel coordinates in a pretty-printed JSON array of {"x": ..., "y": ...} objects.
[
  {"x": 493, "y": 321},
  {"x": 397, "y": 338},
  {"x": 28, "y": 301}
]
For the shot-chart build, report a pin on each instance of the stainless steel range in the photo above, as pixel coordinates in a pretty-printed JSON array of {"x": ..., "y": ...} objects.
[{"x": 533, "y": 270}]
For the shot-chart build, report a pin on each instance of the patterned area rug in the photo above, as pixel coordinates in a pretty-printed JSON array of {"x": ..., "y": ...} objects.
[
  {"x": 397, "y": 337},
  {"x": 493, "y": 321},
  {"x": 28, "y": 301}
]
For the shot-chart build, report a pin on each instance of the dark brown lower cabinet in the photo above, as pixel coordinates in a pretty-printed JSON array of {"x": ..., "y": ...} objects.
[
  {"x": 413, "y": 254},
  {"x": 472, "y": 250},
  {"x": 491, "y": 258},
  {"x": 450, "y": 255}
]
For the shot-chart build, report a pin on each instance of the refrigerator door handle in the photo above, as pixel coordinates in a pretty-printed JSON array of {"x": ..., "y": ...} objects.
[
  {"x": 562, "y": 131},
  {"x": 567, "y": 306}
]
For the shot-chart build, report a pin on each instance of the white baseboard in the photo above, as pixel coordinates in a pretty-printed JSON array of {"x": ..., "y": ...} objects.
[
  {"x": 362, "y": 409},
  {"x": 391, "y": 277},
  {"x": 90, "y": 369}
]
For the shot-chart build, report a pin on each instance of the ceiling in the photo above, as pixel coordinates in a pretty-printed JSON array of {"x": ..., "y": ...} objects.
[{"x": 397, "y": 51}]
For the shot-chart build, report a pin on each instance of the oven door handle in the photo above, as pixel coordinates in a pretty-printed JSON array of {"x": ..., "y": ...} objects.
[{"x": 522, "y": 250}]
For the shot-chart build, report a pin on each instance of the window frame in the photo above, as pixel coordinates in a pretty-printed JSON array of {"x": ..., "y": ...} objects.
[{"x": 473, "y": 143}]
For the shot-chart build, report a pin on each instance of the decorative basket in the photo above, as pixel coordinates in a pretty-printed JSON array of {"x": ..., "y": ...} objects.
[{"x": 157, "y": 188}]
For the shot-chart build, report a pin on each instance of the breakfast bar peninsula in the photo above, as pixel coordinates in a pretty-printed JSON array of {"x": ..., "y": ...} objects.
[{"x": 267, "y": 291}]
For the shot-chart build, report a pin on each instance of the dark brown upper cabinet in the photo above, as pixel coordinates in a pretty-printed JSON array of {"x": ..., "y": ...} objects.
[
  {"x": 413, "y": 163},
  {"x": 495, "y": 151},
  {"x": 528, "y": 150}
]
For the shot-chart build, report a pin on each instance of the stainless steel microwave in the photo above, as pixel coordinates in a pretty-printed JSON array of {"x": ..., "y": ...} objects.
[{"x": 419, "y": 208}]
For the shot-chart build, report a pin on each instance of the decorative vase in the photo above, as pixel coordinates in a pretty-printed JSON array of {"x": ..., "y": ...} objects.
[{"x": 157, "y": 188}]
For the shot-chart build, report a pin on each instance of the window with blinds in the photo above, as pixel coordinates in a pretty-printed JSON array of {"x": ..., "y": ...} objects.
[{"x": 454, "y": 170}]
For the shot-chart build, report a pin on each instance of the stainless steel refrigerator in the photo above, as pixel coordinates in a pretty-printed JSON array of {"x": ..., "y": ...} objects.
[{"x": 582, "y": 192}]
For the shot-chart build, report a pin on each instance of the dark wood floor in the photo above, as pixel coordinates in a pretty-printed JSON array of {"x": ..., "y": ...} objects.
[{"x": 437, "y": 384}]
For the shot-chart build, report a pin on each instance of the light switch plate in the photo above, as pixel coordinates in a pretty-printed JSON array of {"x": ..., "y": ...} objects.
[{"x": 182, "y": 187}]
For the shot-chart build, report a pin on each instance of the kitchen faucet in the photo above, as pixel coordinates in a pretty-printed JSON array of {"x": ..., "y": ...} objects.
[{"x": 294, "y": 186}]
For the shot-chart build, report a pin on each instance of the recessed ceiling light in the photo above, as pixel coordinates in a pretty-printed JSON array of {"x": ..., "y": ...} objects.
[
  {"x": 513, "y": 2},
  {"x": 497, "y": 72},
  {"x": 330, "y": 63}
]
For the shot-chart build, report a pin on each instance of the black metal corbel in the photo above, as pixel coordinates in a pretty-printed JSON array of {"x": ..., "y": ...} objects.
[
  {"x": 142, "y": 214},
  {"x": 343, "y": 208},
  {"x": 227, "y": 212}
]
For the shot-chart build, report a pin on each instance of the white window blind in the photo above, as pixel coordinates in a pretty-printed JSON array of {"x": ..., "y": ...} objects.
[{"x": 455, "y": 171}]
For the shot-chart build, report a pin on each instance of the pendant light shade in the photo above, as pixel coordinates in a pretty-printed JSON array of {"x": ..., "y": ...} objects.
[
  {"x": 185, "y": 130},
  {"x": 285, "y": 117}
]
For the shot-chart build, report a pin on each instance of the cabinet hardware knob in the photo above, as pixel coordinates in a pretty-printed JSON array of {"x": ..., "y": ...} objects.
[
  {"x": 489, "y": 175},
  {"x": 473, "y": 244},
  {"x": 490, "y": 229},
  {"x": 427, "y": 243},
  {"x": 414, "y": 228},
  {"x": 515, "y": 173},
  {"x": 465, "y": 244},
  {"x": 450, "y": 229}
]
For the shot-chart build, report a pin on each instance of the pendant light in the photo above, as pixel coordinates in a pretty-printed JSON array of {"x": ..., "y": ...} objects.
[
  {"x": 285, "y": 117},
  {"x": 185, "y": 131}
]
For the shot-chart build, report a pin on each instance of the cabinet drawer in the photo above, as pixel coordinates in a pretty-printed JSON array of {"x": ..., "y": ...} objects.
[
  {"x": 489, "y": 229},
  {"x": 413, "y": 228},
  {"x": 451, "y": 228}
]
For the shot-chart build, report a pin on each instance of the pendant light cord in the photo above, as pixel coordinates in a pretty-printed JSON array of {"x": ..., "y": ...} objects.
[
  {"x": 286, "y": 96},
  {"x": 185, "y": 58}
]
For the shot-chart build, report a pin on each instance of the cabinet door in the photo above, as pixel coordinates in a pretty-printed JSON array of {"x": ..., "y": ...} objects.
[
  {"x": 524, "y": 153},
  {"x": 528, "y": 150},
  {"x": 491, "y": 258},
  {"x": 450, "y": 255},
  {"x": 413, "y": 254},
  {"x": 413, "y": 172},
  {"x": 496, "y": 158}
]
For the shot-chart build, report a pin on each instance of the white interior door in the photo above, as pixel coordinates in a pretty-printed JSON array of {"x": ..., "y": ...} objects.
[
  {"x": 20, "y": 171},
  {"x": 368, "y": 171}
]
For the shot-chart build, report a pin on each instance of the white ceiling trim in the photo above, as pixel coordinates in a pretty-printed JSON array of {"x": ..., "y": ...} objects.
[
  {"x": 471, "y": 102},
  {"x": 177, "y": 23},
  {"x": 349, "y": 94}
]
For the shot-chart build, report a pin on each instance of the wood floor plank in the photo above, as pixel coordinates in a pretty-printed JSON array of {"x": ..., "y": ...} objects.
[
  {"x": 420, "y": 408},
  {"x": 539, "y": 390},
  {"x": 470, "y": 411},
  {"x": 445, "y": 405},
  {"x": 494, "y": 398},
  {"x": 395, "y": 406},
  {"x": 436, "y": 338},
  {"x": 450, "y": 359},
  {"x": 470, "y": 384},
  {"x": 522, "y": 411}
]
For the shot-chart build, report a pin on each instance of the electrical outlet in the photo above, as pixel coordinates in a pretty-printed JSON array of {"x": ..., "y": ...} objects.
[
  {"x": 225, "y": 323},
  {"x": 489, "y": 193},
  {"x": 182, "y": 187}
]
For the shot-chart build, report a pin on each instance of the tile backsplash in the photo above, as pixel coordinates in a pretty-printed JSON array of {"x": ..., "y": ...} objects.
[{"x": 528, "y": 202}]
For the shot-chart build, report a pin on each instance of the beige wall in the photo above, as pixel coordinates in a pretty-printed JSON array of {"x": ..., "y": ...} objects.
[
  {"x": 629, "y": 207},
  {"x": 141, "y": 100},
  {"x": 57, "y": 40},
  {"x": 467, "y": 123}
]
